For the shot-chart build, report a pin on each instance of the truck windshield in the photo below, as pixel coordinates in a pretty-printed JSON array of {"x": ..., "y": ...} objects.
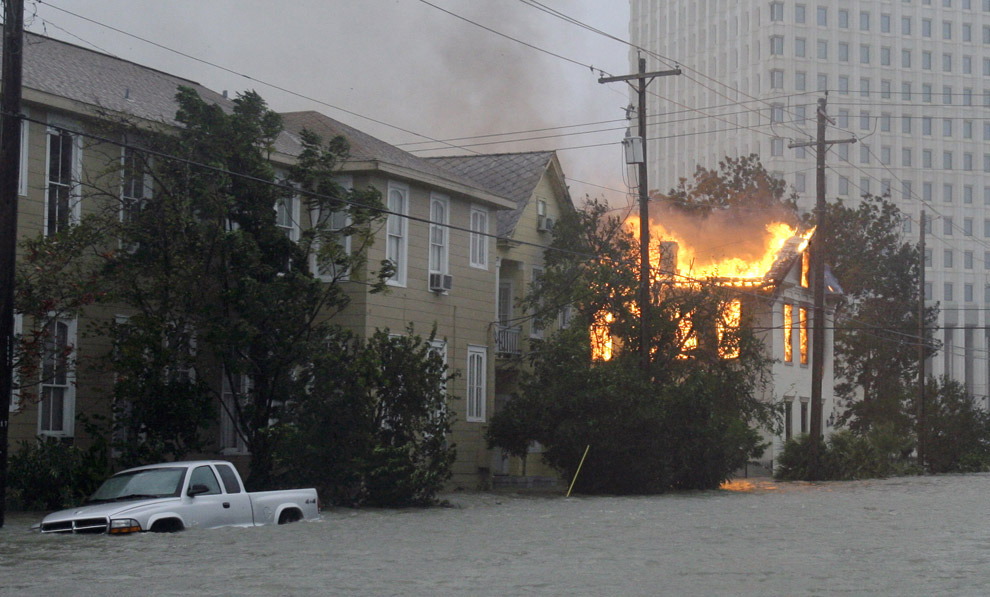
[{"x": 148, "y": 483}]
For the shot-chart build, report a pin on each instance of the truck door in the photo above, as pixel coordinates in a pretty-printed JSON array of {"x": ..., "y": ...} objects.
[
  {"x": 211, "y": 508},
  {"x": 239, "y": 503}
]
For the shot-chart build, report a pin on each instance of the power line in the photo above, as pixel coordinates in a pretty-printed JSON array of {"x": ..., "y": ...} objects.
[{"x": 245, "y": 76}]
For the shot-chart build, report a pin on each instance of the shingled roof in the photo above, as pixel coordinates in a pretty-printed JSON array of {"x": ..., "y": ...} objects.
[
  {"x": 512, "y": 175},
  {"x": 365, "y": 148},
  {"x": 102, "y": 81}
]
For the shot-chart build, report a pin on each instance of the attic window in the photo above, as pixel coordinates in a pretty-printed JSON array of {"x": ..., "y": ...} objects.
[{"x": 805, "y": 267}]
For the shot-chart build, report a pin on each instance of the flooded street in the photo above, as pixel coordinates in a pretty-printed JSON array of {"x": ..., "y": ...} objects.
[{"x": 906, "y": 536}]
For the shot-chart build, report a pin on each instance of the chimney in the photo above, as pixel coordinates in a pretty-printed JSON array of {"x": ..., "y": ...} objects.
[{"x": 668, "y": 258}]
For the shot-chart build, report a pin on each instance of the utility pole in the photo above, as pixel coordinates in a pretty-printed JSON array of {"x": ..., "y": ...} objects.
[
  {"x": 818, "y": 276},
  {"x": 643, "y": 79},
  {"x": 921, "y": 348},
  {"x": 10, "y": 161}
]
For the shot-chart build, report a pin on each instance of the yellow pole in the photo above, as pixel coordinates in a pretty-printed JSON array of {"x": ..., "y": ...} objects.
[{"x": 578, "y": 471}]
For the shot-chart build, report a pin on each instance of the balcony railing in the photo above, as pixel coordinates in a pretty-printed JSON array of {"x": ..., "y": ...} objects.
[{"x": 507, "y": 340}]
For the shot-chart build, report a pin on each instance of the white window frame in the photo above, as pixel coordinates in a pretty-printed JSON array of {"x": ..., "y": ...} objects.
[
  {"x": 231, "y": 442},
  {"x": 397, "y": 232},
  {"x": 440, "y": 347},
  {"x": 291, "y": 205},
  {"x": 479, "y": 237},
  {"x": 146, "y": 186},
  {"x": 439, "y": 241},
  {"x": 68, "y": 387},
  {"x": 535, "y": 331},
  {"x": 57, "y": 126},
  {"x": 22, "y": 176},
  {"x": 337, "y": 221},
  {"x": 477, "y": 380}
]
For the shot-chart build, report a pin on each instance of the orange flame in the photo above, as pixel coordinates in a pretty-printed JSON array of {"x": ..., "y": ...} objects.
[
  {"x": 601, "y": 337},
  {"x": 717, "y": 261}
]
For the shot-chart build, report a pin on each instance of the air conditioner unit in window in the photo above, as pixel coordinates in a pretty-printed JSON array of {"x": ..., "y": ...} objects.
[
  {"x": 441, "y": 282},
  {"x": 544, "y": 223}
]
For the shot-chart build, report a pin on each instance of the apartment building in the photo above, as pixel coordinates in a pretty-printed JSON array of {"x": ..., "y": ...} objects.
[
  {"x": 535, "y": 182},
  {"x": 909, "y": 79}
]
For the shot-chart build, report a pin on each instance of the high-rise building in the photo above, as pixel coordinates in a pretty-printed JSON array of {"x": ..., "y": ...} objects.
[{"x": 909, "y": 79}]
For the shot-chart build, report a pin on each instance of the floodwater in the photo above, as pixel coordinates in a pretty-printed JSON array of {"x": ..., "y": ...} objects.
[{"x": 904, "y": 536}]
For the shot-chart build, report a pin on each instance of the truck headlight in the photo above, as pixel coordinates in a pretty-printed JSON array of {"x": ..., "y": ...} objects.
[{"x": 124, "y": 525}]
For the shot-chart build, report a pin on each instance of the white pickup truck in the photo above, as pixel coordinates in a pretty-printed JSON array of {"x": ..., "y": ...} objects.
[{"x": 174, "y": 496}]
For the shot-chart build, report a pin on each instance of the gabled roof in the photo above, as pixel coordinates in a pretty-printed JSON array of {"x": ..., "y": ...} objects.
[
  {"x": 365, "y": 150},
  {"x": 99, "y": 80},
  {"x": 513, "y": 175},
  {"x": 76, "y": 79},
  {"x": 788, "y": 257}
]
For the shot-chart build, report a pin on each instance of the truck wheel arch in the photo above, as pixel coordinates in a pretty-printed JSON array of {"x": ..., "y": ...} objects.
[
  {"x": 167, "y": 524},
  {"x": 289, "y": 514}
]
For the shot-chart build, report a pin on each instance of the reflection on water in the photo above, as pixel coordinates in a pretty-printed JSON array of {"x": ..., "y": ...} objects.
[
  {"x": 749, "y": 485},
  {"x": 906, "y": 536}
]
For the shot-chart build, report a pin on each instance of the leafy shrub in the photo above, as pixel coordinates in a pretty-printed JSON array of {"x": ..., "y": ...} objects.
[
  {"x": 847, "y": 455},
  {"x": 49, "y": 474},
  {"x": 644, "y": 437},
  {"x": 795, "y": 461},
  {"x": 957, "y": 432},
  {"x": 374, "y": 429}
]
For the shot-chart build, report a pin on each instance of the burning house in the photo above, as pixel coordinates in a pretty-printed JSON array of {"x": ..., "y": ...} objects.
[{"x": 771, "y": 289}]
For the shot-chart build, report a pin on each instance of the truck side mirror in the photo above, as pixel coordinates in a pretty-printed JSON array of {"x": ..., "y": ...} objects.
[{"x": 197, "y": 489}]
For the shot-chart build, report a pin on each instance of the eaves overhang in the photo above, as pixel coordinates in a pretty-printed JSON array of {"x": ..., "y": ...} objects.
[
  {"x": 83, "y": 110},
  {"x": 411, "y": 174}
]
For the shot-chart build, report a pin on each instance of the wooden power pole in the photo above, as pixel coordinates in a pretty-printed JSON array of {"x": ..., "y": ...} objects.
[
  {"x": 818, "y": 276},
  {"x": 921, "y": 348},
  {"x": 10, "y": 162},
  {"x": 643, "y": 79}
]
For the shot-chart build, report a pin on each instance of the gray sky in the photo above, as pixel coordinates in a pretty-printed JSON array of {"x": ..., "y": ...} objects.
[{"x": 401, "y": 62}]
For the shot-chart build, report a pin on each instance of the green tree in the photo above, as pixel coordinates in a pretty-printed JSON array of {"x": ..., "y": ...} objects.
[
  {"x": 373, "y": 429},
  {"x": 876, "y": 352},
  {"x": 956, "y": 430},
  {"x": 741, "y": 185},
  {"x": 213, "y": 279}
]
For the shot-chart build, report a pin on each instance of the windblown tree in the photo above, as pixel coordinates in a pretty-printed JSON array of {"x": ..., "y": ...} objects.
[
  {"x": 876, "y": 344},
  {"x": 216, "y": 275},
  {"x": 684, "y": 423},
  {"x": 741, "y": 185}
]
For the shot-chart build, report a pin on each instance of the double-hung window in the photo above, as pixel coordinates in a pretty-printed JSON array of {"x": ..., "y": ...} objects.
[
  {"x": 788, "y": 333},
  {"x": 56, "y": 408},
  {"x": 476, "y": 383},
  {"x": 236, "y": 388},
  {"x": 329, "y": 225},
  {"x": 396, "y": 242},
  {"x": 15, "y": 394},
  {"x": 535, "y": 329},
  {"x": 479, "y": 237},
  {"x": 439, "y": 232},
  {"x": 135, "y": 185},
  {"x": 22, "y": 188},
  {"x": 287, "y": 216},
  {"x": 61, "y": 196}
]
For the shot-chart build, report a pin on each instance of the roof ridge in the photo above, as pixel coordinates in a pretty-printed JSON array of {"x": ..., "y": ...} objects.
[
  {"x": 46, "y": 38},
  {"x": 488, "y": 155}
]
